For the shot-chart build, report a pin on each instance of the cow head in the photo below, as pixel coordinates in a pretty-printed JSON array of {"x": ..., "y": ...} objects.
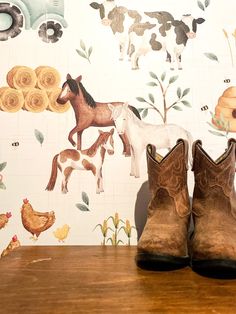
[
  {"x": 191, "y": 25},
  {"x": 104, "y": 9}
]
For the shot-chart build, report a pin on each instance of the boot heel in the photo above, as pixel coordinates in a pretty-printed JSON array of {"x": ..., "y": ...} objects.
[
  {"x": 216, "y": 268},
  {"x": 161, "y": 262}
]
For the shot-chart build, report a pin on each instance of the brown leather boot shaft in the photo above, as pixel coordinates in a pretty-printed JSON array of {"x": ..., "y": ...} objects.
[
  {"x": 214, "y": 205},
  {"x": 165, "y": 232}
]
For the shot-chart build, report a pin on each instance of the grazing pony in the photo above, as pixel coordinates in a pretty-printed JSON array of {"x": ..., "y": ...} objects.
[
  {"x": 140, "y": 134},
  {"x": 88, "y": 159},
  {"x": 88, "y": 112}
]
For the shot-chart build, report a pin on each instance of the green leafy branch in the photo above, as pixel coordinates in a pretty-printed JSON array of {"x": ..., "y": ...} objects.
[
  {"x": 84, "y": 207},
  {"x": 159, "y": 82},
  {"x": 84, "y": 52},
  {"x": 211, "y": 56},
  {"x": 204, "y": 5},
  {"x": 220, "y": 125},
  {"x": 2, "y": 185},
  {"x": 39, "y": 136}
]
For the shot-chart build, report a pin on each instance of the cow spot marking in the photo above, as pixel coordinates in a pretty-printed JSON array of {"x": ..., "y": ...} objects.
[
  {"x": 140, "y": 28},
  {"x": 156, "y": 45}
]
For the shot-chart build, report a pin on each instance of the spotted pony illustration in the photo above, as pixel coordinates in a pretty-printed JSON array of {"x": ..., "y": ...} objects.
[{"x": 90, "y": 159}]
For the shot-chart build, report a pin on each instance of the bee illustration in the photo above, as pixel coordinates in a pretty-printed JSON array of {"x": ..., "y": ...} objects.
[
  {"x": 204, "y": 108},
  {"x": 15, "y": 144}
]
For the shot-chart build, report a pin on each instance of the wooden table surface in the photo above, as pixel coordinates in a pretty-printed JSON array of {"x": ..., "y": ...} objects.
[{"x": 96, "y": 279}]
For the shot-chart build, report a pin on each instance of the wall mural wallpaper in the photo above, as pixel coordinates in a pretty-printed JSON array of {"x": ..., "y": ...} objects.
[{"x": 87, "y": 85}]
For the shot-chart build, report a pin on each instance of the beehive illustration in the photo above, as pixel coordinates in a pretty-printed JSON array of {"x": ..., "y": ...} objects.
[{"x": 226, "y": 109}]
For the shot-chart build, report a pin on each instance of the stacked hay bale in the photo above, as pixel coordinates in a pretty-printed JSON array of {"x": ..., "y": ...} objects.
[
  {"x": 32, "y": 90},
  {"x": 225, "y": 111}
]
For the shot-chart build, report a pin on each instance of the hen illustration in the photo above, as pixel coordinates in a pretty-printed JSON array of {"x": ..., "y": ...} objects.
[
  {"x": 4, "y": 219},
  {"x": 36, "y": 222},
  {"x": 62, "y": 233},
  {"x": 14, "y": 244}
]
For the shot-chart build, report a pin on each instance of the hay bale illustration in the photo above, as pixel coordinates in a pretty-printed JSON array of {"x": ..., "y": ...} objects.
[
  {"x": 36, "y": 100},
  {"x": 48, "y": 78},
  {"x": 226, "y": 108},
  {"x": 21, "y": 77},
  {"x": 53, "y": 105},
  {"x": 11, "y": 100}
]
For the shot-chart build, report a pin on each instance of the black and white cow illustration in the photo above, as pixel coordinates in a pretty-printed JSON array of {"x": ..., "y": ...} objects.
[
  {"x": 140, "y": 32},
  {"x": 145, "y": 37},
  {"x": 120, "y": 20}
]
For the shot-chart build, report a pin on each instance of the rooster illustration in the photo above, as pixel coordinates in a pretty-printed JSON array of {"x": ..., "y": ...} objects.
[
  {"x": 14, "y": 244},
  {"x": 4, "y": 219},
  {"x": 35, "y": 222}
]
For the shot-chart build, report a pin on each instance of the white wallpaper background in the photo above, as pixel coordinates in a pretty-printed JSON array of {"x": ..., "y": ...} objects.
[{"x": 107, "y": 79}]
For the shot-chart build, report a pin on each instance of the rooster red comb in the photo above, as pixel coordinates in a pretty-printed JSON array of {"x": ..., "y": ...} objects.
[
  {"x": 8, "y": 214},
  {"x": 14, "y": 238},
  {"x": 25, "y": 201}
]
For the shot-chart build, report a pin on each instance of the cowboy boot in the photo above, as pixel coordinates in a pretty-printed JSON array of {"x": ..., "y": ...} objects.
[
  {"x": 163, "y": 243},
  {"x": 213, "y": 244}
]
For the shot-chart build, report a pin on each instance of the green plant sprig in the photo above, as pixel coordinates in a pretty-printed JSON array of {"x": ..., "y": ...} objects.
[
  {"x": 159, "y": 82},
  {"x": 84, "y": 52}
]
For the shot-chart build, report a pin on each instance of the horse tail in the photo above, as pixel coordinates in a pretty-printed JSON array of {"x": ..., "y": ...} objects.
[
  {"x": 53, "y": 177},
  {"x": 135, "y": 111}
]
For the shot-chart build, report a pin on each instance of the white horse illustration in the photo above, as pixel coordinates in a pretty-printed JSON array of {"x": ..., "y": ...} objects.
[{"x": 140, "y": 134}]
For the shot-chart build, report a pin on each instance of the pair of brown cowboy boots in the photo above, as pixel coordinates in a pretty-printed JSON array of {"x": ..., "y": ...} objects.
[{"x": 164, "y": 243}]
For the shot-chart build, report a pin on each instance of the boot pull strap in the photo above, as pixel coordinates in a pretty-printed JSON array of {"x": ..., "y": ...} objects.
[
  {"x": 232, "y": 141},
  {"x": 197, "y": 142},
  {"x": 186, "y": 150}
]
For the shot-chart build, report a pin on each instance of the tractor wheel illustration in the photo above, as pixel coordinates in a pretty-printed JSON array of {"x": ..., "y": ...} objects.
[
  {"x": 11, "y": 21},
  {"x": 50, "y": 32}
]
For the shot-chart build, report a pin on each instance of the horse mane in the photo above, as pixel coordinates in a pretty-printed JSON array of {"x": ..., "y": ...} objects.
[
  {"x": 133, "y": 116},
  {"x": 89, "y": 99},
  {"x": 91, "y": 151},
  {"x": 75, "y": 87}
]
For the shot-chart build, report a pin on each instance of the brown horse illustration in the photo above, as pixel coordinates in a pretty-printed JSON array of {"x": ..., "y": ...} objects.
[
  {"x": 90, "y": 159},
  {"x": 88, "y": 112}
]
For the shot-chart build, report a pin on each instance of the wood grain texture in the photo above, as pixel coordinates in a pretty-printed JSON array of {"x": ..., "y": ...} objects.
[{"x": 96, "y": 279}]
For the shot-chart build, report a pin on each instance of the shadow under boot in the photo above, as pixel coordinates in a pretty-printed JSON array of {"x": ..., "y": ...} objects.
[
  {"x": 213, "y": 244},
  {"x": 163, "y": 243}
]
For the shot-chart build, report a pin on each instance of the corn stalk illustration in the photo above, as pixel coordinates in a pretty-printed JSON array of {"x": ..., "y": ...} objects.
[
  {"x": 117, "y": 225},
  {"x": 104, "y": 229},
  {"x": 127, "y": 229},
  {"x": 159, "y": 82},
  {"x": 116, "y": 221},
  {"x": 113, "y": 240}
]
